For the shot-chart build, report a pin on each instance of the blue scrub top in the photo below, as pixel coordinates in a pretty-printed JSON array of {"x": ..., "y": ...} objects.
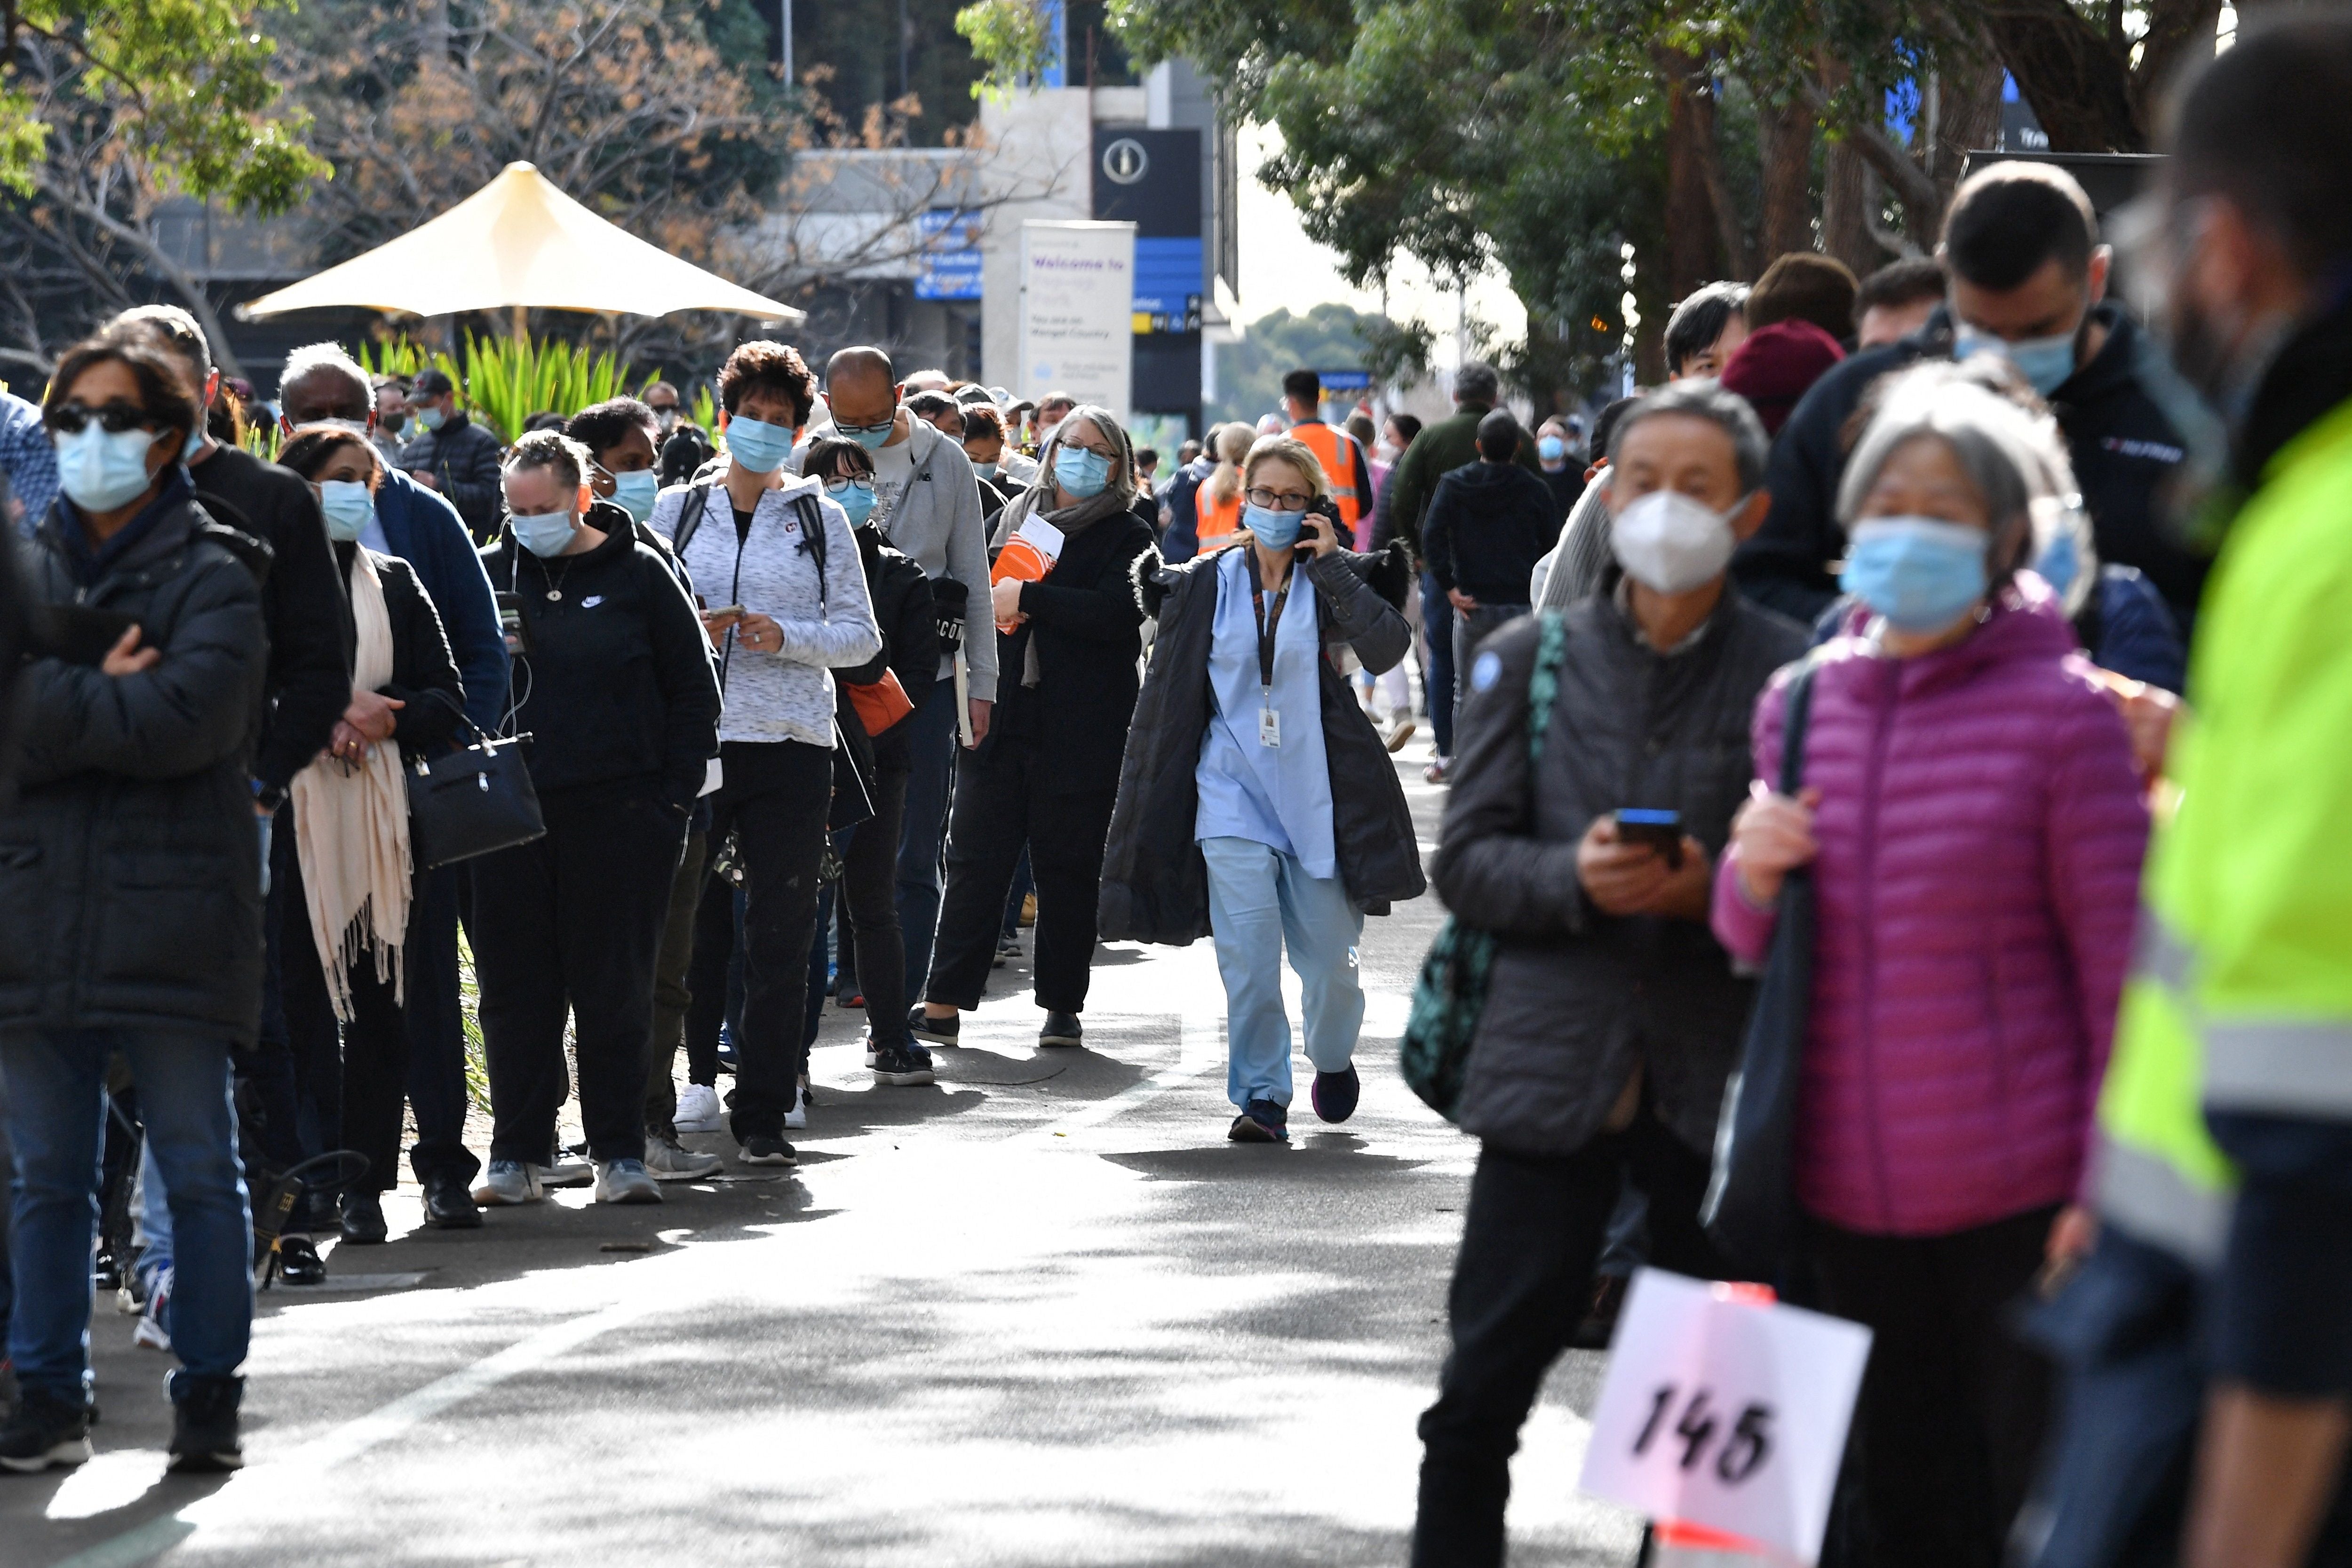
[{"x": 1276, "y": 795}]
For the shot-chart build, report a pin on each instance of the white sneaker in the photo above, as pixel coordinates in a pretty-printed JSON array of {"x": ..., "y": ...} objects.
[
  {"x": 150, "y": 1333},
  {"x": 509, "y": 1181},
  {"x": 625, "y": 1182},
  {"x": 698, "y": 1110},
  {"x": 669, "y": 1161},
  {"x": 797, "y": 1117},
  {"x": 565, "y": 1173}
]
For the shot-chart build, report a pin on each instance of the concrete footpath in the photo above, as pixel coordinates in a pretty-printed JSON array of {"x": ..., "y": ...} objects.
[{"x": 1041, "y": 1312}]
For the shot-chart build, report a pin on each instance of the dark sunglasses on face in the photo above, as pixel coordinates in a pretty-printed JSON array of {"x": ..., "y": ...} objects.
[{"x": 113, "y": 417}]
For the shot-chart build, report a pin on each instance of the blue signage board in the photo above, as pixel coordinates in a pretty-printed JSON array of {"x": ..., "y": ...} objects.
[{"x": 951, "y": 260}]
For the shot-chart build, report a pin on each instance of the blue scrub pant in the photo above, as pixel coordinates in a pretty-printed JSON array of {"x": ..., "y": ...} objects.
[{"x": 1261, "y": 900}]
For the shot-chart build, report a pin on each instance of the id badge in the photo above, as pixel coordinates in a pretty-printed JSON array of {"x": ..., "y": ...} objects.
[{"x": 1269, "y": 727}]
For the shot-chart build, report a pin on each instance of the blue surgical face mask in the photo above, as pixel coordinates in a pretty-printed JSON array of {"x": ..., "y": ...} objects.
[
  {"x": 1275, "y": 530},
  {"x": 347, "y": 506},
  {"x": 2044, "y": 362},
  {"x": 1551, "y": 450},
  {"x": 546, "y": 535},
  {"x": 857, "y": 501},
  {"x": 1080, "y": 472},
  {"x": 872, "y": 437},
  {"x": 192, "y": 445},
  {"x": 99, "y": 470},
  {"x": 634, "y": 492},
  {"x": 761, "y": 447},
  {"x": 2061, "y": 562},
  {"x": 985, "y": 471},
  {"x": 431, "y": 417},
  {"x": 1920, "y": 573}
]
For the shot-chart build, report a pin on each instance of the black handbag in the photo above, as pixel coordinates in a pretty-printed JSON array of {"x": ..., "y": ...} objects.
[
  {"x": 471, "y": 802},
  {"x": 1751, "y": 1209}
]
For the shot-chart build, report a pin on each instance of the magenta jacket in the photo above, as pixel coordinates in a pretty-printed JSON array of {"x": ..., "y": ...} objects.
[{"x": 1981, "y": 832}]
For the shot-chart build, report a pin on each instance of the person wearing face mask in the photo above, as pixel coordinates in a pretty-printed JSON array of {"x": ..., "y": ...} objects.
[
  {"x": 1488, "y": 524},
  {"x": 389, "y": 399},
  {"x": 350, "y": 873},
  {"x": 322, "y": 384},
  {"x": 453, "y": 453},
  {"x": 620, "y": 435},
  {"x": 1562, "y": 466},
  {"x": 2209, "y": 1337},
  {"x": 1051, "y": 409},
  {"x": 984, "y": 443},
  {"x": 1243, "y": 807},
  {"x": 777, "y": 555},
  {"x": 1973, "y": 824},
  {"x": 135, "y": 738},
  {"x": 1612, "y": 1016},
  {"x": 1048, "y": 774},
  {"x": 614, "y": 688},
  {"x": 926, "y": 506},
  {"x": 2029, "y": 278}
]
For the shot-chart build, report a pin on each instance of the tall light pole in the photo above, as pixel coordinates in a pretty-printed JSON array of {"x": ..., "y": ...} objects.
[{"x": 786, "y": 22}]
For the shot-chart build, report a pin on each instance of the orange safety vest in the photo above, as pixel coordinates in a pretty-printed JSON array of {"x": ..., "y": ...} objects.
[
  {"x": 1212, "y": 520},
  {"x": 1336, "y": 450}
]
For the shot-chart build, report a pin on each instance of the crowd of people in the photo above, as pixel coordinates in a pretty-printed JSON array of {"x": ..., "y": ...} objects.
[{"x": 1883, "y": 595}]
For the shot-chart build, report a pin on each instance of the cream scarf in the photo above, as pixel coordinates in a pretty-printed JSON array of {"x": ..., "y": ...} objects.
[{"x": 351, "y": 826}]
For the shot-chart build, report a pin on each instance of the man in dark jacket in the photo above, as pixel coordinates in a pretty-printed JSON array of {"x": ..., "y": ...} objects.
[
  {"x": 2028, "y": 273},
  {"x": 1612, "y": 1016},
  {"x": 136, "y": 759},
  {"x": 421, "y": 527},
  {"x": 1487, "y": 526},
  {"x": 453, "y": 454}
]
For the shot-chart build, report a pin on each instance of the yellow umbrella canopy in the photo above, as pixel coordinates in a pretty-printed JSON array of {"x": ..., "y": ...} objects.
[{"x": 518, "y": 241}]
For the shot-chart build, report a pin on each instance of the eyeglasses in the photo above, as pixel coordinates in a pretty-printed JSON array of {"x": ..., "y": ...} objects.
[
  {"x": 1279, "y": 500},
  {"x": 854, "y": 431},
  {"x": 843, "y": 486},
  {"x": 113, "y": 417}
]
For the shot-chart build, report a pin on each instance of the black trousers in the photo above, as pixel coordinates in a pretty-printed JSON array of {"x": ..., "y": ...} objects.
[
  {"x": 1530, "y": 1246},
  {"x": 355, "y": 1076},
  {"x": 572, "y": 923},
  {"x": 672, "y": 996},
  {"x": 1003, "y": 799},
  {"x": 1953, "y": 1407},
  {"x": 774, "y": 801},
  {"x": 436, "y": 1028},
  {"x": 874, "y": 951}
]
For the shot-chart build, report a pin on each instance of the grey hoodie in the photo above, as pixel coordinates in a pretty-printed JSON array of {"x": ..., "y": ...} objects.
[{"x": 937, "y": 521}]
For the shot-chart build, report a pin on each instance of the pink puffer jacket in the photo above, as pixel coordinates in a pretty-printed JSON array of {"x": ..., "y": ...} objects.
[{"x": 1980, "y": 831}]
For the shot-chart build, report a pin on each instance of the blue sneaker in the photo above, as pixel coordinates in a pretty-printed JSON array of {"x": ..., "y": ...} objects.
[
  {"x": 625, "y": 1182},
  {"x": 1335, "y": 1093},
  {"x": 1261, "y": 1121}
]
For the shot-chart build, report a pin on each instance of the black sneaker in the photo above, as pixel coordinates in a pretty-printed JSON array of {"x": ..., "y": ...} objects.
[
  {"x": 939, "y": 1031},
  {"x": 1061, "y": 1029},
  {"x": 204, "y": 1425},
  {"x": 46, "y": 1430},
  {"x": 1261, "y": 1121},
  {"x": 767, "y": 1149},
  {"x": 1335, "y": 1093},
  {"x": 1007, "y": 946},
  {"x": 897, "y": 1065}
]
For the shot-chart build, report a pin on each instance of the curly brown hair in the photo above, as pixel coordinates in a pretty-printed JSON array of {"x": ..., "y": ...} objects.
[{"x": 765, "y": 366}]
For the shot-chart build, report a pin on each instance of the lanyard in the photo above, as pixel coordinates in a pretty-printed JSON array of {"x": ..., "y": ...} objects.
[{"x": 1267, "y": 627}]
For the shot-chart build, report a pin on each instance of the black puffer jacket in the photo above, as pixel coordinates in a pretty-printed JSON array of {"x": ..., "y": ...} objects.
[
  {"x": 908, "y": 614},
  {"x": 1577, "y": 998},
  {"x": 1155, "y": 886},
  {"x": 424, "y": 677},
  {"x": 130, "y": 862}
]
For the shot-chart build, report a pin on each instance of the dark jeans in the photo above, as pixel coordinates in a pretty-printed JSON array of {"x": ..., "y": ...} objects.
[
  {"x": 710, "y": 979},
  {"x": 572, "y": 922},
  {"x": 870, "y": 890},
  {"x": 1522, "y": 1283},
  {"x": 356, "y": 1074},
  {"x": 437, "y": 1029},
  {"x": 1472, "y": 627},
  {"x": 1437, "y": 641},
  {"x": 933, "y": 742},
  {"x": 275, "y": 1136},
  {"x": 1953, "y": 1406},
  {"x": 774, "y": 801},
  {"x": 1000, "y": 801},
  {"x": 672, "y": 995}
]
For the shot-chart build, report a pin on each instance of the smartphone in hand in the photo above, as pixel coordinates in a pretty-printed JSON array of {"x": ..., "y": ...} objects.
[{"x": 1660, "y": 830}]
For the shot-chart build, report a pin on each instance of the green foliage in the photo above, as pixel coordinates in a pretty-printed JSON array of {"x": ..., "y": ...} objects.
[
  {"x": 189, "y": 79},
  {"x": 507, "y": 382},
  {"x": 1011, "y": 40},
  {"x": 1329, "y": 337}
]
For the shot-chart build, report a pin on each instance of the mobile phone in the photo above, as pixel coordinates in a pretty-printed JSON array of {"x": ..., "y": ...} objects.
[
  {"x": 510, "y": 622},
  {"x": 1328, "y": 510},
  {"x": 724, "y": 613},
  {"x": 1660, "y": 830}
]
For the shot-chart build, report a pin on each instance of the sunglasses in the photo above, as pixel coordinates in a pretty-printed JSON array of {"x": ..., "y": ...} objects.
[{"x": 113, "y": 417}]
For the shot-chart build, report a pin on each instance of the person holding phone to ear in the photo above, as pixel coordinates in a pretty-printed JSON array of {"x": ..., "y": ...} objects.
[{"x": 1257, "y": 800}]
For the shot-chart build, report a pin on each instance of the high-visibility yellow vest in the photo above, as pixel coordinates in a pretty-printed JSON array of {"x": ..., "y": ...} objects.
[
  {"x": 1336, "y": 450},
  {"x": 2241, "y": 993}
]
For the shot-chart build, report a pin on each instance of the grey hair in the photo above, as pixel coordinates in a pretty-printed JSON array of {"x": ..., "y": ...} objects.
[
  {"x": 1706, "y": 399},
  {"x": 328, "y": 359},
  {"x": 1993, "y": 440},
  {"x": 1476, "y": 382},
  {"x": 551, "y": 451}
]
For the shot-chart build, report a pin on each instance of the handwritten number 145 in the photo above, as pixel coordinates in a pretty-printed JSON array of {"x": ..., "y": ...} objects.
[{"x": 1742, "y": 1452}]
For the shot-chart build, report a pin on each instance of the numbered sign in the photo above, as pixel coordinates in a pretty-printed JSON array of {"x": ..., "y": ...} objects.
[{"x": 1726, "y": 1413}]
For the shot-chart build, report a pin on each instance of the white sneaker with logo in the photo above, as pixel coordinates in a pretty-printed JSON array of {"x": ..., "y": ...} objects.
[{"x": 698, "y": 1109}]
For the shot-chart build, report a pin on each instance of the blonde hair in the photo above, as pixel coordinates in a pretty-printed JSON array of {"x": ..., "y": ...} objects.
[
  {"x": 1297, "y": 454},
  {"x": 1224, "y": 481}
]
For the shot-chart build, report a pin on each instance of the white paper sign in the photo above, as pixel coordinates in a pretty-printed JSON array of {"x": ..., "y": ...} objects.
[
  {"x": 1078, "y": 312},
  {"x": 1725, "y": 1413},
  {"x": 1048, "y": 539}
]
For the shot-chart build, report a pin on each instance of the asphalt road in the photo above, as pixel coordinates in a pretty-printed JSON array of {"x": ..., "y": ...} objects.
[{"x": 1039, "y": 1313}]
